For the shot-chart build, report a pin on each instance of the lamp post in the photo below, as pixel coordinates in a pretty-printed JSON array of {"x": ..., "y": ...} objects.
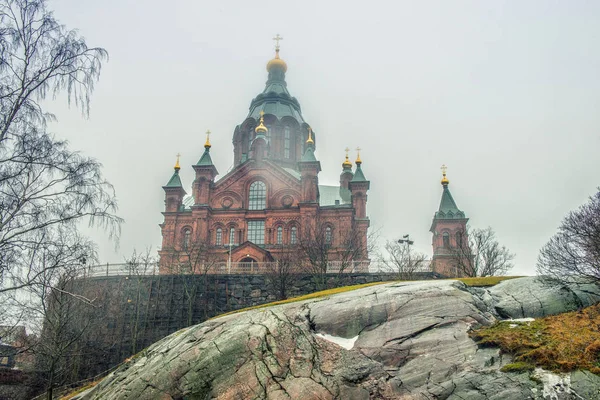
[{"x": 406, "y": 240}]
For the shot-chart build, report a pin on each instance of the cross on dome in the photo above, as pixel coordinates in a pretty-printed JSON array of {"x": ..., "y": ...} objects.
[{"x": 277, "y": 39}]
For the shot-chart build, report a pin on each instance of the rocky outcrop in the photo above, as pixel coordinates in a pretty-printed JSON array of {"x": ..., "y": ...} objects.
[{"x": 405, "y": 340}]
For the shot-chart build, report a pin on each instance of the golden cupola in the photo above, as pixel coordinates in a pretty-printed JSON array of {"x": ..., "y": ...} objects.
[{"x": 277, "y": 62}]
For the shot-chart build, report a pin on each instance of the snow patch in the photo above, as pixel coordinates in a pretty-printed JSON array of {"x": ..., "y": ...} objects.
[
  {"x": 555, "y": 386},
  {"x": 348, "y": 344},
  {"x": 518, "y": 321}
]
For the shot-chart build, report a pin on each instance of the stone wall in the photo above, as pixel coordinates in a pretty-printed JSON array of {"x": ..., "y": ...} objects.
[{"x": 133, "y": 312}]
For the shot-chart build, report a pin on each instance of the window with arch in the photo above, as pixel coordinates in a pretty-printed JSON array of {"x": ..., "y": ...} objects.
[
  {"x": 446, "y": 239},
  {"x": 232, "y": 235},
  {"x": 279, "y": 235},
  {"x": 187, "y": 237},
  {"x": 219, "y": 237},
  {"x": 257, "y": 196},
  {"x": 294, "y": 235},
  {"x": 328, "y": 235},
  {"x": 286, "y": 142},
  {"x": 459, "y": 239}
]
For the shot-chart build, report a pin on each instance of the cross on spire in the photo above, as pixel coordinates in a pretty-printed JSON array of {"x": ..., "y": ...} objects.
[
  {"x": 207, "y": 143},
  {"x": 444, "y": 169},
  {"x": 177, "y": 163},
  {"x": 347, "y": 150},
  {"x": 277, "y": 39}
]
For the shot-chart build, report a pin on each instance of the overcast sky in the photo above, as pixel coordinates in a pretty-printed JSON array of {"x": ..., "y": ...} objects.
[{"x": 506, "y": 93}]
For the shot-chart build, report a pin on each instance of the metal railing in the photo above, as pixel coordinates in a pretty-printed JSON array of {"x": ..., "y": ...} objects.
[{"x": 243, "y": 268}]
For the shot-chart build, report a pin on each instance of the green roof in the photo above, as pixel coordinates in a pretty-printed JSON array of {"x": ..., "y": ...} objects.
[
  {"x": 358, "y": 175},
  {"x": 175, "y": 181},
  {"x": 448, "y": 208},
  {"x": 205, "y": 159},
  {"x": 276, "y": 99},
  {"x": 309, "y": 155}
]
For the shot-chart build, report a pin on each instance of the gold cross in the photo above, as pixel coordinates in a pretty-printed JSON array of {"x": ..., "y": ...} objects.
[
  {"x": 444, "y": 168},
  {"x": 277, "y": 39},
  {"x": 178, "y": 155},
  {"x": 347, "y": 150},
  {"x": 207, "y": 134},
  {"x": 358, "y": 149},
  {"x": 261, "y": 113}
]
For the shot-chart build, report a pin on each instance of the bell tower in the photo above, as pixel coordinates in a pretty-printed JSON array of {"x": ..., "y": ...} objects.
[{"x": 449, "y": 229}]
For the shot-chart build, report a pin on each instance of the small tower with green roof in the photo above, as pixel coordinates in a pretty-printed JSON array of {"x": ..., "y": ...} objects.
[
  {"x": 449, "y": 227},
  {"x": 174, "y": 191},
  {"x": 309, "y": 168},
  {"x": 205, "y": 175}
]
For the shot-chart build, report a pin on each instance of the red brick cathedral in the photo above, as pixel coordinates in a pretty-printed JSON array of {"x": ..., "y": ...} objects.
[{"x": 271, "y": 201}]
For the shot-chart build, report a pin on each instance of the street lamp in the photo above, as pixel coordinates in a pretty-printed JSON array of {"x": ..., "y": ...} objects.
[{"x": 406, "y": 240}]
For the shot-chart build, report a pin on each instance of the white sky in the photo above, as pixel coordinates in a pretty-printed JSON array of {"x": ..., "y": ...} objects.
[{"x": 506, "y": 93}]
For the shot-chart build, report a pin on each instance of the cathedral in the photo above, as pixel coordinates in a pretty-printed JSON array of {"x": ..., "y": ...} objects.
[{"x": 271, "y": 202}]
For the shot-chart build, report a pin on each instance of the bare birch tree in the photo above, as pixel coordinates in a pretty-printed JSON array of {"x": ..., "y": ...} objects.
[
  {"x": 481, "y": 254},
  {"x": 573, "y": 253},
  {"x": 402, "y": 260},
  {"x": 45, "y": 188}
]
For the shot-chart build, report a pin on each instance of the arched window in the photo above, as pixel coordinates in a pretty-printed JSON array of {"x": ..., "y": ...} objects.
[
  {"x": 219, "y": 238},
  {"x": 459, "y": 239},
  {"x": 232, "y": 235},
  {"x": 257, "y": 196},
  {"x": 294, "y": 235},
  {"x": 187, "y": 236},
  {"x": 328, "y": 235},
  {"x": 286, "y": 142},
  {"x": 279, "y": 235},
  {"x": 446, "y": 239}
]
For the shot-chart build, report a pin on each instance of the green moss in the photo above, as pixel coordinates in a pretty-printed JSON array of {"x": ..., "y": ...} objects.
[
  {"x": 563, "y": 342},
  {"x": 518, "y": 367}
]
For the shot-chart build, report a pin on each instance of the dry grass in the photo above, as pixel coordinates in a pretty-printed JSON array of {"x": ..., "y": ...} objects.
[
  {"x": 563, "y": 342},
  {"x": 79, "y": 390}
]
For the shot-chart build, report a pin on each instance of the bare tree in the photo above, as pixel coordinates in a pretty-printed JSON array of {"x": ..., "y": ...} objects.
[
  {"x": 573, "y": 253},
  {"x": 45, "y": 188},
  {"x": 402, "y": 260},
  {"x": 197, "y": 258},
  {"x": 326, "y": 251},
  {"x": 284, "y": 272},
  {"x": 481, "y": 254},
  {"x": 54, "y": 305}
]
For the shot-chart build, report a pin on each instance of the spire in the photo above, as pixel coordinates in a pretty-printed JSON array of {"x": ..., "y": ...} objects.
[
  {"x": 207, "y": 144},
  {"x": 310, "y": 140},
  {"x": 205, "y": 160},
  {"x": 309, "y": 153},
  {"x": 445, "y": 180},
  {"x": 359, "y": 176},
  {"x": 448, "y": 208},
  {"x": 175, "y": 181},
  {"x": 261, "y": 128},
  {"x": 347, "y": 165},
  {"x": 177, "y": 167}
]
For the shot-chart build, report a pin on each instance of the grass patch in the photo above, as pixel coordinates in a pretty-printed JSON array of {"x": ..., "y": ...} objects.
[
  {"x": 315, "y": 295},
  {"x": 563, "y": 342},
  {"x": 485, "y": 280},
  {"x": 519, "y": 366}
]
